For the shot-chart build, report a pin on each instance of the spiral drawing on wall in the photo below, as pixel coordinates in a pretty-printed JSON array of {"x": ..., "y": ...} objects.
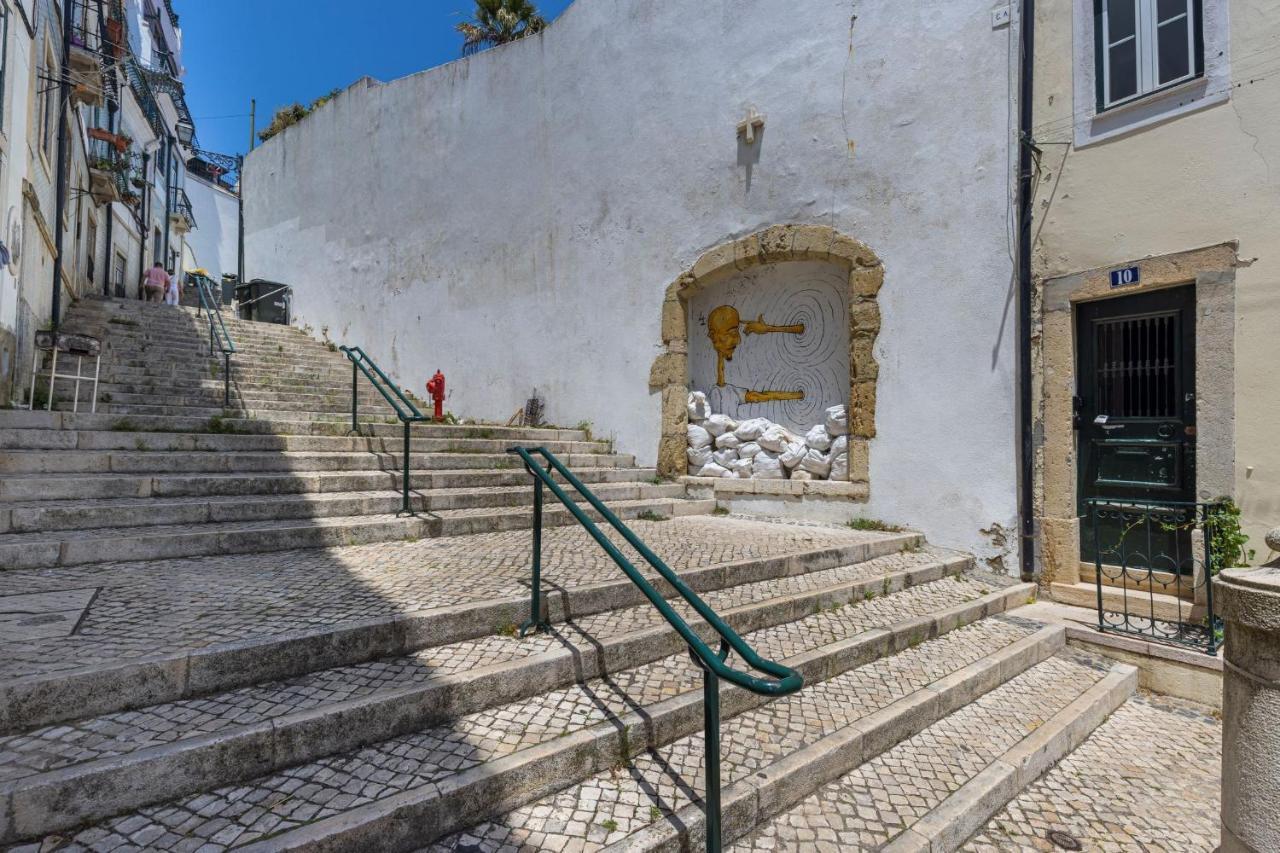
[{"x": 774, "y": 343}]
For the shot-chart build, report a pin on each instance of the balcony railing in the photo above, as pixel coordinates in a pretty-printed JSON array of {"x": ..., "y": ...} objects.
[
  {"x": 109, "y": 166},
  {"x": 180, "y": 211}
]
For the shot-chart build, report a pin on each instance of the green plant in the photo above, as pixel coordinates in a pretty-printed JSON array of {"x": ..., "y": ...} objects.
[
  {"x": 221, "y": 425},
  {"x": 720, "y": 510},
  {"x": 654, "y": 812},
  {"x": 872, "y": 524},
  {"x": 496, "y": 22},
  {"x": 508, "y": 629},
  {"x": 610, "y": 824},
  {"x": 868, "y": 595},
  {"x": 650, "y": 515},
  {"x": 584, "y": 427},
  {"x": 1227, "y": 543},
  {"x": 124, "y": 425},
  {"x": 105, "y": 397},
  {"x": 290, "y": 115}
]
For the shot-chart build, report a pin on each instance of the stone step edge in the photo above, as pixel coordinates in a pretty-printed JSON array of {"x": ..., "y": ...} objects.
[
  {"x": 482, "y": 792},
  {"x": 136, "y": 544},
  {"x": 44, "y": 699},
  {"x": 76, "y": 794},
  {"x": 948, "y": 825},
  {"x": 750, "y": 803}
]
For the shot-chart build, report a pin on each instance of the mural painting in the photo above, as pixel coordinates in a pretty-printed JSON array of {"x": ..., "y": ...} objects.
[{"x": 770, "y": 350}]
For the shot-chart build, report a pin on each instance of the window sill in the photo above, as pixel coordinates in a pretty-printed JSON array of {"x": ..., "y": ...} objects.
[{"x": 1155, "y": 108}]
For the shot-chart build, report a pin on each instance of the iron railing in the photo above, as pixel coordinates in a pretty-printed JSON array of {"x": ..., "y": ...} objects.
[
  {"x": 1154, "y": 564},
  {"x": 713, "y": 664},
  {"x": 404, "y": 408},
  {"x": 181, "y": 207},
  {"x": 211, "y": 306}
]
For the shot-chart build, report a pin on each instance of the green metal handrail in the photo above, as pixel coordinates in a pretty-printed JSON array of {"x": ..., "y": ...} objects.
[
  {"x": 711, "y": 663},
  {"x": 361, "y": 363},
  {"x": 212, "y": 309}
]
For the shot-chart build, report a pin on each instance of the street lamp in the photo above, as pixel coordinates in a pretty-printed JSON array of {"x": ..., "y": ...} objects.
[{"x": 186, "y": 133}]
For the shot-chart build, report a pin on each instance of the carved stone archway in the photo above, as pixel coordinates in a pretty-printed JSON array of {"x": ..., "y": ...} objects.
[{"x": 776, "y": 244}]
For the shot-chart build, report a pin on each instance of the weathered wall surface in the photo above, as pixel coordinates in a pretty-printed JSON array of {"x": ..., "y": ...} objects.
[
  {"x": 215, "y": 240},
  {"x": 515, "y": 218},
  {"x": 1208, "y": 174}
]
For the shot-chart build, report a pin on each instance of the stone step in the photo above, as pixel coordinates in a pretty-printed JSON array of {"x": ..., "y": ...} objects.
[
  {"x": 47, "y": 516},
  {"x": 850, "y": 781},
  {"x": 23, "y": 419},
  {"x": 165, "y": 631},
  {"x": 1151, "y": 743},
  {"x": 1140, "y": 604},
  {"x": 456, "y": 758},
  {"x": 51, "y": 548},
  {"x": 68, "y": 440},
  {"x": 213, "y": 389},
  {"x": 334, "y": 413}
]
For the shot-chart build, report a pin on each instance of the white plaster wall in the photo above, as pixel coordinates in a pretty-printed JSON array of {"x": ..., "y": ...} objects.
[
  {"x": 514, "y": 218},
  {"x": 214, "y": 240}
]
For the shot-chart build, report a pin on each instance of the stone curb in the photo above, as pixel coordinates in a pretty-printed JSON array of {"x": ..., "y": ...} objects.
[
  {"x": 413, "y": 818},
  {"x": 949, "y": 824},
  {"x": 44, "y": 699},
  {"x": 95, "y": 789},
  {"x": 749, "y": 802}
]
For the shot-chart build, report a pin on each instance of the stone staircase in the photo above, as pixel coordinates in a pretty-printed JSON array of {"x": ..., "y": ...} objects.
[
  {"x": 273, "y": 661},
  {"x": 163, "y": 470}
]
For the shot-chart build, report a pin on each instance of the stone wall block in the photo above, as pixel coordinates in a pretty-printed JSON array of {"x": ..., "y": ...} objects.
[
  {"x": 867, "y": 281},
  {"x": 864, "y": 317},
  {"x": 862, "y": 411},
  {"x": 776, "y": 243},
  {"x": 670, "y": 368},
  {"x": 862, "y": 360},
  {"x": 673, "y": 321}
]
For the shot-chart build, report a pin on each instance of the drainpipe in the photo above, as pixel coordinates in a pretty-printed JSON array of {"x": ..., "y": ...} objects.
[
  {"x": 144, "y": 226},
  {"x": 240, "y": 217},
  {"x": 168, "y": 199},
  {"x": 1026, "y": 496},
  {"x": 111, "y": 215},
  {"x": 60, "y": 201}
]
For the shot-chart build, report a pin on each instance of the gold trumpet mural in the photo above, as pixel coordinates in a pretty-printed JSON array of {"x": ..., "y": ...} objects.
[{"x": 725, "y": 327}]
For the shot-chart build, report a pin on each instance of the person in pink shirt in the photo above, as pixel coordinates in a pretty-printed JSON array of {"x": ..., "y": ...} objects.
[{"x": 155, "y": 283}]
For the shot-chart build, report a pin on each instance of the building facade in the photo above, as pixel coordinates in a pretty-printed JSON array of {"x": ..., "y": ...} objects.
[
  {"x": 1157, "y": 137},
  {"x": 567, "y": 213},
  {"x": 93, "y": 88}
]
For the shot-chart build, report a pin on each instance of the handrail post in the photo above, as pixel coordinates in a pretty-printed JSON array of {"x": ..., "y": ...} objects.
[
  {"x": 355, "y": 375},
  {"x": 226, "y": 380},
  {"x": 404, "y": 505},
  {"x": 711, "y": 743},
  {"x": 536, "y": 621}
]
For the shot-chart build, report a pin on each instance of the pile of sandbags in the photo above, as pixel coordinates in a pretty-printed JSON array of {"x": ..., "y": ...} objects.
[{"x": 757, "y": 447}]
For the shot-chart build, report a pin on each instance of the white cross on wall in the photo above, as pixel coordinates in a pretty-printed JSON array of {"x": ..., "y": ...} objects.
[{"x": 747, "y": 127}]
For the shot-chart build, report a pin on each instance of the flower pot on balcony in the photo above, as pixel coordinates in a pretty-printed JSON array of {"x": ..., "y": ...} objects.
[{"x": 104, "y": 186}]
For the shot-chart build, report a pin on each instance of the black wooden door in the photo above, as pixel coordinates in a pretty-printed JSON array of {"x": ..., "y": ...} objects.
[{"x": 1135, "y": 418}]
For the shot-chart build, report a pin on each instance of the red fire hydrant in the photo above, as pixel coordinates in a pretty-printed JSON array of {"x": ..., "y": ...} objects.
[{"x": 435, "y": 389}]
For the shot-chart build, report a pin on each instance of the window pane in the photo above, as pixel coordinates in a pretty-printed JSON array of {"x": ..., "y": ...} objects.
[
  {"x": 1175, "y": 59},
  {"x": 1167, "y": 9},
  {"x": 1124, "y": 71},
  {"x": 1120, "y": 19}
]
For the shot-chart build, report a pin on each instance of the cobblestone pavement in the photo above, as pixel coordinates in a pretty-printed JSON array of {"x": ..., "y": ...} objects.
[
  {"x": 886, "y": 795},
  {"x": 112, "y": 734},
  {"x": 239, "y": 814},
  {"x": 147, "y": 607},
  {"x": 611, "y": 805},
  {"x": 1147, "y": 779}
]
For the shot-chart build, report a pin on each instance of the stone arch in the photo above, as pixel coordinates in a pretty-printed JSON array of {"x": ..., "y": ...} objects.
[{"x": 776, "y": 244}]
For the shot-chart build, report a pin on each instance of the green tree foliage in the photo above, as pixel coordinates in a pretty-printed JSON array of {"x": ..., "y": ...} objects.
[
  {"x": 497, "y": 22},
  {"x": 292, "y": 114}
]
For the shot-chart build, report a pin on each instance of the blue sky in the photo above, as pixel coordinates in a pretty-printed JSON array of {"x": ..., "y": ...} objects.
[{"x": 281, "y": 51}]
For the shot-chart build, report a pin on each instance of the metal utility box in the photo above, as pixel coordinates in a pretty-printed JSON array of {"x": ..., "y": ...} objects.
[{"x": 264, "y": 301}]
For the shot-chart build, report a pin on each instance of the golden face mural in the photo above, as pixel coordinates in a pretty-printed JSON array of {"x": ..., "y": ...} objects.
[{"x": 723, "y": 327}]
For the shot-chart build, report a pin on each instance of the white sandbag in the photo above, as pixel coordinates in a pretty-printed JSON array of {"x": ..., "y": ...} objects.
[
  {"x": 720, "y": 424},
  {"x": 711, "y": 469},
  {"x": 839, "y": 467},
  {"x": 766, "y": 466},
  {"x": 817, "y": 464},
  {"x": 698, "y": 456},
  {"x": 839, "y": 444},
  {"x": 817, "y": 438},
  {"x": 776, "y": 438},
  {"x": 728, "y": 441},
  {"x": 748, "y": 450},
  {"x": 837, "y": 422},
  {"x": 741, "y": 467},
  {"x": 698, "y": 408},
  {"x": 752, "y": 428},
  {"x": 793, "y": 453},
  {"x": 698, "y": 437},
  {"x": 801, "y": 475},
  {"x": 724, "y": 457}
]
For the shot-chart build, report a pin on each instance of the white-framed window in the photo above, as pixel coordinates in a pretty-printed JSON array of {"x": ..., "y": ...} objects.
[
  {"x": 1144, "y": 46},
  {"x": 118, "y": 269}
]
